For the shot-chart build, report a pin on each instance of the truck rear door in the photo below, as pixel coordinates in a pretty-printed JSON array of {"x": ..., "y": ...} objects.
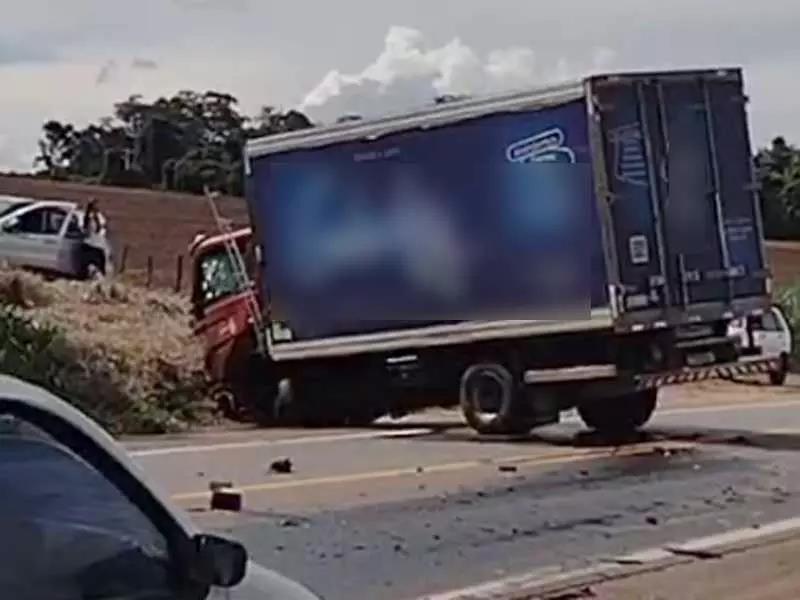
[{"x": 679, "y": 185}]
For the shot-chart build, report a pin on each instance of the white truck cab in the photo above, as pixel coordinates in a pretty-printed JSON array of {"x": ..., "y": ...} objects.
[{"x": 769, "y": 336}]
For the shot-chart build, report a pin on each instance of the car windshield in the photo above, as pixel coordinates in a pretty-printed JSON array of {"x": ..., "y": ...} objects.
[
  {"x": 9, "y": 206},
  {"x": 75, "y": 534}
]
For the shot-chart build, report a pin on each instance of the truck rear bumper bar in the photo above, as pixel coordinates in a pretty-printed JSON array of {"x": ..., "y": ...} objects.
[
  {"x": 744, "y": 366},
  {"x": 721, "y": 371}
]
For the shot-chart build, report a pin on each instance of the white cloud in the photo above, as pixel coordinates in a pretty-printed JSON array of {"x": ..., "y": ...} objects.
[
  {"x": 407, "y": 73},
  {"x": 275, "y": 52},
  {"x": 143, "y": 63}
]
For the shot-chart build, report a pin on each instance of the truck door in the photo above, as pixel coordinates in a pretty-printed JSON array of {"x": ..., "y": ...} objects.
[{"x": 679, "y": 177}]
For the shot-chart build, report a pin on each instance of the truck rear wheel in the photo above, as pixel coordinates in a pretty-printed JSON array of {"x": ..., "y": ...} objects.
[
  {"x": 490, "y": 402},
  {"x": 622, "y": 414}
]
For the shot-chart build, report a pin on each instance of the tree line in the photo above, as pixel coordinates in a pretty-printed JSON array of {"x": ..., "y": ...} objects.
[
  {"x": 778, "y": 169},
  {"x": 182, "y": 143},
  {"x": 193, "y": 139}
]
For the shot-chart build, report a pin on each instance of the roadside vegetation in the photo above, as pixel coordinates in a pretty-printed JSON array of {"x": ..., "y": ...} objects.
[
  {"x": 122, "y": 354},
  {"x": 789, "y": 300}
]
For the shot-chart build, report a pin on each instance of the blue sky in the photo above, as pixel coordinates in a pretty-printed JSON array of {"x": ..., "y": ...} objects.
[{"x": 72, "y": 60}]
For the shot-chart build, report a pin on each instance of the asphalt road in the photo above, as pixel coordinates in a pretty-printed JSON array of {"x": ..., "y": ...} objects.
[{"x": 423, "y": 505}]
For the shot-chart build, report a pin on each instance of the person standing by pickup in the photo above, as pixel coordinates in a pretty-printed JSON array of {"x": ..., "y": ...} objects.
[{"x": 94, "y": 247}]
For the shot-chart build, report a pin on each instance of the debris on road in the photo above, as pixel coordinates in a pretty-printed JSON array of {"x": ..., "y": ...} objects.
[
  {"x": 226, "y": 498},
  {"x": 651, "y": 520},
  {"x": 219, "y": 485},
  {"x": 585, "y": 592},
  {"x": 290, "y": 522},
  {"x": 281, "y": 465},
  {"x": 507, "y": 468},
  {"x": 695, "y": 552}
]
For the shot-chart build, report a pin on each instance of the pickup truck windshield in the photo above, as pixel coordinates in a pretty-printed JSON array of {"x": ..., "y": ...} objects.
[{"x": 7, "y": 206}]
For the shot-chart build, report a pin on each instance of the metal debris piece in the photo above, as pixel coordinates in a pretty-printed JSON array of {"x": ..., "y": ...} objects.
[
  {"x": 281, "y": 465},
  {"x": 218, "y": 485},
  {"x": 226, "y": 498}
]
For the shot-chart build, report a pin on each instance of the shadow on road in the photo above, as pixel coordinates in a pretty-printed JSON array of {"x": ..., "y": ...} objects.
[{"x": 571, "y": 437}]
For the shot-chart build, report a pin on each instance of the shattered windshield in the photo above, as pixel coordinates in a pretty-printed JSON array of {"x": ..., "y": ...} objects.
[
  {"x": 69, "y": 534},
  {"x": 218, "y": 278}
]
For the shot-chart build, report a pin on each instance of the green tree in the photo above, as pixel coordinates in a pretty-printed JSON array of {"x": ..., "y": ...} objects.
[
  {"x": 185, "y": 142},
  {"x": 56, "y": 148},
  {"x": 778, "y": 168}
]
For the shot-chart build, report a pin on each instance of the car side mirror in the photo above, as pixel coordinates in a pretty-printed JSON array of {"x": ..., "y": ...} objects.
[
  {"x": 219, "y": 561},
  {"x": 9, "y": 226}
]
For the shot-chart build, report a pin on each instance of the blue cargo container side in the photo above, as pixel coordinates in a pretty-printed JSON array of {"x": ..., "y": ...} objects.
[{"x": 464, "y": 226}]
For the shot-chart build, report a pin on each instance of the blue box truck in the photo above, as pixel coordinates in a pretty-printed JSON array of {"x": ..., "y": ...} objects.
[{"x": 574, "y": 246}]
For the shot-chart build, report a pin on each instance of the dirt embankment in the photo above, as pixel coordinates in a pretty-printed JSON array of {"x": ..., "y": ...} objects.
[{"x": 124, "y": 355}]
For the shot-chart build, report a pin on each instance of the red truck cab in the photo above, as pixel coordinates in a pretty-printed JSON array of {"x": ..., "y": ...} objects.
[{"x": 221, "y": 313}]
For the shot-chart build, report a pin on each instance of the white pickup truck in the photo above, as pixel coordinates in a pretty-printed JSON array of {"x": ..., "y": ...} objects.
[
  {"x": 46, "y": 236},
  {"x": 769, "y": 336}
]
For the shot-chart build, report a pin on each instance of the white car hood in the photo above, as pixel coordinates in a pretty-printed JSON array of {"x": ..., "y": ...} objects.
[{"x": 263, "y": 584}]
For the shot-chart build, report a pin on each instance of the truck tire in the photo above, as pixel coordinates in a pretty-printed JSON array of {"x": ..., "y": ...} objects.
[
  {"x": 622, "y": 414},
  {"x": 489, "y": 400},
  {"x": 778, "y": 376}
]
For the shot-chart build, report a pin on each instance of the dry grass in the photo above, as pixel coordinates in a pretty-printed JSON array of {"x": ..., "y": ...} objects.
[{"x": 124, "y": 354}]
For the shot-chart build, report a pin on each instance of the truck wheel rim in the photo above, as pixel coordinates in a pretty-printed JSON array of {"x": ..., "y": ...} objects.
[{"x": 488, "y": 396}]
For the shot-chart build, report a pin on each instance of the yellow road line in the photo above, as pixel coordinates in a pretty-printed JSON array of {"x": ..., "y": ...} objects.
[{"x": 524, "y": 459}]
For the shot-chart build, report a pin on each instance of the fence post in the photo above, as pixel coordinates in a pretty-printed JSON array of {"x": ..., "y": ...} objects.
[
  {"x": 123, "y": 259},
  {"x": 149, "y": 272},
  {"x": 179, "y": 274}
]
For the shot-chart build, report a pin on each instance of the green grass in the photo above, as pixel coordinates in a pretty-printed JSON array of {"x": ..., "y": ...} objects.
[
  {"x": 107, "y": 388},
  {"x": 788, "y": 298}
]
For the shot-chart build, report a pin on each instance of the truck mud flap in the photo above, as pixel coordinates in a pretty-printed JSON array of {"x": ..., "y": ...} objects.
[{"x": 722, "y": 371}]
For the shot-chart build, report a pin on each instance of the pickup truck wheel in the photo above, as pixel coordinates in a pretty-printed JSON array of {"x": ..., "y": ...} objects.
[
  {"x": 622, "y": 414},
  {"x": 94, "y": 264},
  {"x": 778, "y": 376},
  {"x": 489, "y": 400}
]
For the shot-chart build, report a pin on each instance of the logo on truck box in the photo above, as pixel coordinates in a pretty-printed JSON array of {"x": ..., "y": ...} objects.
[
  {"x": 547, "y": 146},
  {"x": 630, "y": 165}
]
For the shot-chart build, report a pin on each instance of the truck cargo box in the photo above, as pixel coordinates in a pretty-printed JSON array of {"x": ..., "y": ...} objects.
[{"x": 622, "y": 202}]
